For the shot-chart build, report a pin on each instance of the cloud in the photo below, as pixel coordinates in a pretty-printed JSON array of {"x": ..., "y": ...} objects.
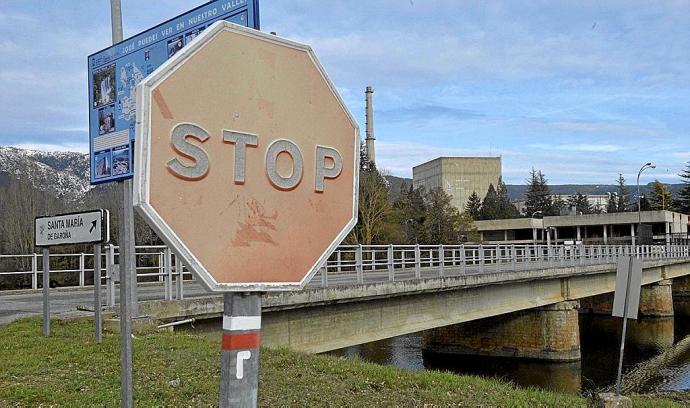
[
  {"x": 425, "y": 113},
  {"x": 578, "y": 147}
]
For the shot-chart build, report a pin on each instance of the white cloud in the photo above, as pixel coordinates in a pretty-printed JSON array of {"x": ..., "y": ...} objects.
[{"x": 578, "y": 147}]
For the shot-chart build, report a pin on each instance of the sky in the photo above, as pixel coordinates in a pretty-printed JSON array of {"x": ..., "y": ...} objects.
[{"x": 581, "y": 90}]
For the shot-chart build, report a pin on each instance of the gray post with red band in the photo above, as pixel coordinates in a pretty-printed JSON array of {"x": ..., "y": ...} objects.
[{"x": 239, "y": 361}]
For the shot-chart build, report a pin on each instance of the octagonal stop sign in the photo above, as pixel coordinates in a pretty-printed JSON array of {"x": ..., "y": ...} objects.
[{"x": 246, "y": 159}]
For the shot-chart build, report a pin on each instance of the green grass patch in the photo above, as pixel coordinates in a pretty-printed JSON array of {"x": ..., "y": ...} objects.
[{"x": 182, "y": 369}]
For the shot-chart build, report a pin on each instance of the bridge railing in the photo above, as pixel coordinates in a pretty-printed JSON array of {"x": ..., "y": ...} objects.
[
  {"x": 349, "y": 265},
  {"x": 361, "y": 264}
]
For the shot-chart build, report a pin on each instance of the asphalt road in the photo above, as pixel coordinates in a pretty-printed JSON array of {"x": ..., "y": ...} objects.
[{"x": 65, "y": 301}]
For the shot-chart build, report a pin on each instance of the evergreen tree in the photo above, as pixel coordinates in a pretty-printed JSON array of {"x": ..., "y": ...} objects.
[
  {"x": 506, "y": 209},
  {"x": 581, "y": 203},
  {"x": 557, "y": 204},
  {"x": 612, "y": 204},
  {"x": 538, "y": 195},
  {"x": 490, "y": 206},
  {"x": 660, "y": 198},
  {"x": 412, "y": 211},
  {"x": 623, "y": 199},
  {"x": 473, "y": 207},
  {"x": 682, "y": 203},
  {"x": 443, "y": 223}
]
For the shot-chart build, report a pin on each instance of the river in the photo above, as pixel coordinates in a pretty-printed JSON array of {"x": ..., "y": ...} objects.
[{"x": 657, "y": 358}]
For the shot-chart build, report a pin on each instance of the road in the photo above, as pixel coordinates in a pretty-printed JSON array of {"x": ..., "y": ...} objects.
[{"x": 64, "y": 301}]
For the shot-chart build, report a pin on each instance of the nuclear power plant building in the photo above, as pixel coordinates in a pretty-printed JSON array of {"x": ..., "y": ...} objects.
[{"x": 458, "y": 176}]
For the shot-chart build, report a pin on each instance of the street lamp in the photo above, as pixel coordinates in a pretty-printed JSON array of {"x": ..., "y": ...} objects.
[{"x": 639, "y": 201}]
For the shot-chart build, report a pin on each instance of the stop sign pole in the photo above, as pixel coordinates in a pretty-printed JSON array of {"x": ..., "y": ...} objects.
[
  {"x": 239, "y": 361},
  {"x": 247, "y": 167}
]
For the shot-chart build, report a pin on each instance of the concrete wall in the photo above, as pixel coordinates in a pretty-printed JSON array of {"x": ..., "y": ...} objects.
[{"x": 459, "y": 176}]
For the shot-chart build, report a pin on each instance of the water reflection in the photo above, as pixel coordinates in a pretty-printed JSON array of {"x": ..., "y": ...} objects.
[{"x": 600, "y": 343}]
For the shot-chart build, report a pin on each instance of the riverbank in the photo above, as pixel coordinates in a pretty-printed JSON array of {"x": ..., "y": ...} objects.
[{"x": 182, "y": 369}]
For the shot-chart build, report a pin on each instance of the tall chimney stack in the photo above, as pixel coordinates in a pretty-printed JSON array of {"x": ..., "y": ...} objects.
[{"x": 370, "y": 139}]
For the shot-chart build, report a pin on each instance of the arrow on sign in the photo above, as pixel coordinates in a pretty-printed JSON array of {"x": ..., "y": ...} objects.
[{"x": 93, "y": 225}]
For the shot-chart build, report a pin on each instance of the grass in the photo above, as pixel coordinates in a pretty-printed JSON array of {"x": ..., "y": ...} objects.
[{"x": 181, "y": 369}]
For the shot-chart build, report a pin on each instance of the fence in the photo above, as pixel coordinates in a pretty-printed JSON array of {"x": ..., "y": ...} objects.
[{"x": 353, "y": 264}]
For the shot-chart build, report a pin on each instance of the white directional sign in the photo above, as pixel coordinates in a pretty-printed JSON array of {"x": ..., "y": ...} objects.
[{"x": 74, "y": 228}]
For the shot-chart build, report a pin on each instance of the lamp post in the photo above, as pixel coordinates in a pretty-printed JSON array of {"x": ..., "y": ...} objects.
[{"x": 639, "y": 201}]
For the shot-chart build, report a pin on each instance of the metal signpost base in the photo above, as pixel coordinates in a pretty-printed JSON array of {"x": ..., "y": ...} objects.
[
  {"x": 619, "y": 379},
  {"x": 127, "y": 399},
  {"x": 46, "y": 286},
  {"x": 239, "y": 361},
  {"x": 98, "y": 323}
]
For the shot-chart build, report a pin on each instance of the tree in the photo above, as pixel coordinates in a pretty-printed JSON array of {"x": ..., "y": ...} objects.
[
  {"x": 538, "y": 195},
  {"x": 473, "y": 206},
  {"x": 490, "y": 206},
  {"x": 612, "y": 204},
  {"x": 581, "y": 203},
  {"x": 557, "y": 205},
  {"x": 363, "y": 156},
  {"x": 682, "y": 203},
  {"x": 411, "y": 211},
  {"x": 623, "y": 199},
  {"x": 443, "y": 223},
  {"x": 375, "y": 211},
  {"x": 660, "y": 198},
  {"x": 506, "y": 209}
]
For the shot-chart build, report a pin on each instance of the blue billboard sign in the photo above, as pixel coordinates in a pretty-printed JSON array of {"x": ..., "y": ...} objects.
[{"x": 115, "y": 71}]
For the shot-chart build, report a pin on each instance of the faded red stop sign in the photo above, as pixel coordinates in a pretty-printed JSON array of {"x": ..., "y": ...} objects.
[{"x": 246, "y": 159}]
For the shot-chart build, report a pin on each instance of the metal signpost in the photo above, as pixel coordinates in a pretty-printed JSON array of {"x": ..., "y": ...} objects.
[
  {"x": 90, "y": 227},
  {"x": 626, "y": 301},
  {"x": 247, "y": 166}
]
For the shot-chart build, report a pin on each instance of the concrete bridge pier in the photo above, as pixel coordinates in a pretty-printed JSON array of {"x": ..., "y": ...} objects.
[
  {"x": 545, "y": 333},
  {"x": 656, "y": 300},
  {"x": 681, "y": 295}
]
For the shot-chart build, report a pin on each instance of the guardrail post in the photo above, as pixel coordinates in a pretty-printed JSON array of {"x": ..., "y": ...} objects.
[
  {"x": 417, "y": 262},
  {"x": 359, "y": 264},
  {"x": 180, "y": 278},
  {"x": 441, "y": 259},
  {"x": 463, "y": 262},
  {"x": 391, "y": 263},
  {"x": 109, "y": 280},
  {"x": 168, "y": 278},
  {"x": 339, "y": 259},
  {"x": 513, "y": 257},
  {"x": 161, "y": 267},
  {"x": 81, "y": 269},
  {"x": 324, "y": 277},
  {"x": 481, "y": 258},
  {"x": 34, "y": 272}
]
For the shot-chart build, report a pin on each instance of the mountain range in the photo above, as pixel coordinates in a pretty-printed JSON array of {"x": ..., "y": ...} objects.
[{"x": 65, "y": 175}]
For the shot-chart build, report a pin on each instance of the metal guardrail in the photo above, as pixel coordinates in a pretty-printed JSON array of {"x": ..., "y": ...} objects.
[{"x": 359, "y": 264}]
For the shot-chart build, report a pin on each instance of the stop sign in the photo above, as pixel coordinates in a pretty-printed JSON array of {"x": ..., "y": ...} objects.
[{"x": 246, "y": 159}]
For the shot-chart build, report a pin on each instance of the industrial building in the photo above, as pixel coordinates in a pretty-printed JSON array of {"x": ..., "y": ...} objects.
[
  {"x": 458, "y": 176},
  {"x": 597, "y": 201},
  {"x": 589, "y": 229}
]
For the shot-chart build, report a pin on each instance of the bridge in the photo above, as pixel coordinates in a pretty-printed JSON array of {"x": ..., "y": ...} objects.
[{"x": 470, "y": 299}]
